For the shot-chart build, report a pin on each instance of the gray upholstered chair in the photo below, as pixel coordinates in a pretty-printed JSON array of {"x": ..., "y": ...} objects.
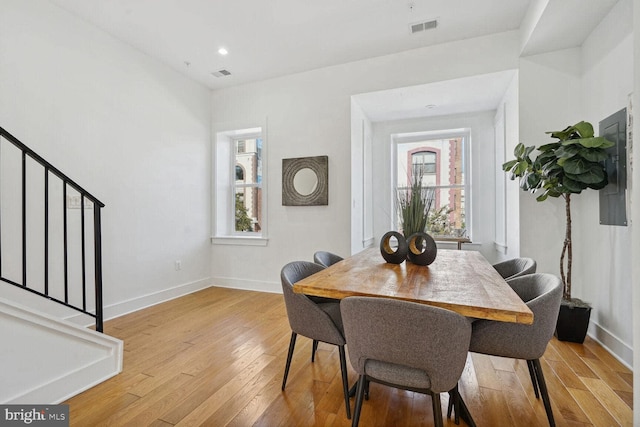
[
  {"x": 516, "y": 267},
  {"x": 542, "y": 293},
  {"x": 320, "y": 321},
  {"x": 325, "y": 258},
  {"x": 405, "y": 345}
]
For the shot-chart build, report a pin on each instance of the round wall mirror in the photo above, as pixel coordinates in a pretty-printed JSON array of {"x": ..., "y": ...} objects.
[{"x": 305, "y": 181}]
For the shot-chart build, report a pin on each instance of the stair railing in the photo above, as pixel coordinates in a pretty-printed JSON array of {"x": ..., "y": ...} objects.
[{"x": 73, "y": 196}]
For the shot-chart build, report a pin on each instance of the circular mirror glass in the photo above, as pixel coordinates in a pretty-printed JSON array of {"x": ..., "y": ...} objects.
[{"x": 305, "y": 181}]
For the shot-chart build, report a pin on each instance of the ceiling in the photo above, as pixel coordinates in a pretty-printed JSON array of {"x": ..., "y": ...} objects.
[
  {"x": 272, "y": 38},
  {"x": 465, "y": 95}
]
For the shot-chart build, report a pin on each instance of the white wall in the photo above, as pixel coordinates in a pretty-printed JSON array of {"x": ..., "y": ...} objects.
[
  {"x": 129, "y": 129},
  {"x": 309, "y": 114},
  {"x": 549, "y": 99},
  {"x": 602, "y": 253}
]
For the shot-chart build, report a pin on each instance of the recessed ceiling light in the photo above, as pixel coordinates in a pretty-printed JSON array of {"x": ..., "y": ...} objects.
[{"x": 223, "y": 51}]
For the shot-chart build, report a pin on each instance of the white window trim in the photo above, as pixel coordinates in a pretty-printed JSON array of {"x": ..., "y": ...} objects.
[
  {"x": 402, "y": 138},
  {"x": 223, "y": 229}
]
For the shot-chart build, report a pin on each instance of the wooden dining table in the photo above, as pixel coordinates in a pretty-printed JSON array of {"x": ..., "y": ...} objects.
[{"x": 461, "y": 281}]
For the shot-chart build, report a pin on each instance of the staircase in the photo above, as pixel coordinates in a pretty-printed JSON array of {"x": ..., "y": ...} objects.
[{"x": 50, "y": 265}]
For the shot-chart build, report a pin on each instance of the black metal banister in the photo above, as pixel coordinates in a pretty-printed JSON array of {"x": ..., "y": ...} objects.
[
  {"x": 35, "y": 156},
  {"x": 85, "y": 198}
]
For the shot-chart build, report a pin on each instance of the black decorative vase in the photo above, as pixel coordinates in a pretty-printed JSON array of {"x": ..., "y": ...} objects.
[
  {"x": 390, "y": 255},
  {"x": 573, "y": 323},
  {"x": 422, "y": 249}
]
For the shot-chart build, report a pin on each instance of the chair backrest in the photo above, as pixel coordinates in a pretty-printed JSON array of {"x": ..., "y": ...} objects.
[
  {"x": 305, "y": 316},
  {"x": 542, "y": 292},
  {"x": 430, "y": 339},
  {"x": 515, "y": 267},
  {"x": 325, "y": 258}
]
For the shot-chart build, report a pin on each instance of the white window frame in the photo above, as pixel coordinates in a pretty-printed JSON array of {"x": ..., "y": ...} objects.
[
  {"x": 402, "y": 138},
  {"x": 224, "y": 185}
]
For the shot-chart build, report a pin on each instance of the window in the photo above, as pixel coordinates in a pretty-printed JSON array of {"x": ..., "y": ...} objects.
[
  {"x": 439, "y": 159},
  {"x": 239, "y": 212},
  {"x": 248, "y": 185},
  {"x": 423, "y": 163}
]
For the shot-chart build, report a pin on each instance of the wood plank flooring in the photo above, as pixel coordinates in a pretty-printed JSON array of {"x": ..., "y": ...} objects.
[{"x": 216, "y": 358}]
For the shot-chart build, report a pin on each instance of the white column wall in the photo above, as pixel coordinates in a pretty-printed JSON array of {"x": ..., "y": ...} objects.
[{"x": 510, "y": 106}]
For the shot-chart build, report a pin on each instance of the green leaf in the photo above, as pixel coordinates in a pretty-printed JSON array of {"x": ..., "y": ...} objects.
[
  {"x": 532, "y": 179},
  {"x": 519, "y": 150},
  {"x": 593, "y": 154},
  {"x": 567, "y": 151},
  {"x": 575, "y": 166},
  {"x": 528, "y": 150},
  {"x": 593, "y": 174},
  {"x": 599, "y": 185},
  {"x": 520, "y": 168},
  {"x": 548, "y": 147},
  {"x": 573, "y": 186},
  {"x": 561, "y": 134},
  {"x": 584, "y": 129},
  {"x": 508, "y": 165},
  {"x": 595, "y": 142}
]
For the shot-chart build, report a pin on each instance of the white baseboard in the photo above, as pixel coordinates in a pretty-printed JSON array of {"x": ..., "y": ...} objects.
[
  {"x": 615, "y": 346},
  {"x": 249, "y": 285},
  {"x": 134, "y": 304},
  {"x": 125, "y": 307}
]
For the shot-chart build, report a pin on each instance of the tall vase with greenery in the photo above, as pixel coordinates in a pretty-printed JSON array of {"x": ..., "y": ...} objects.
[
  {"x": 569, "y": 165},
  {"x": 414, "y": 204}
]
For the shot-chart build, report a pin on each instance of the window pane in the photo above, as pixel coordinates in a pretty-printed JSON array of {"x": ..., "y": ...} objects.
[
  {"x": 248, "y": 209},
  {"x": 248, "y": 152},
  {"x": 423, "y": 163},
  {"x": 447, "y": 214}
]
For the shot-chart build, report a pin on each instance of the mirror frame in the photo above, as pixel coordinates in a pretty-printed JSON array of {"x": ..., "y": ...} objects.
[{"x": 290, "y": 167}]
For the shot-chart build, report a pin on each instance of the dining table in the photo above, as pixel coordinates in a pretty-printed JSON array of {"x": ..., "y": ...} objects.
[
  {"x": 460, "y": 281},
  {"x": 457, "y": 280}
]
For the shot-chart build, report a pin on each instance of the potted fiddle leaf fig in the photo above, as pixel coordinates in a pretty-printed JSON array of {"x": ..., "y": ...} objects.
[{"x": 569, "y": 165}]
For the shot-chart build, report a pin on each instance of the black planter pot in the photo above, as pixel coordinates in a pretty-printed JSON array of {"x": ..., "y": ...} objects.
[{"x": 572, "y": 323}]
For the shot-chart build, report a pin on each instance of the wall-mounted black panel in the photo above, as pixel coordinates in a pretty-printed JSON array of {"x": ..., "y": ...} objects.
[{"x": 613, "y": 206}]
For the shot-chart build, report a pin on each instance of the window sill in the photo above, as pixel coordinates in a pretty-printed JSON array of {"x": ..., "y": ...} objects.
[{"x": 239, "y": 240}]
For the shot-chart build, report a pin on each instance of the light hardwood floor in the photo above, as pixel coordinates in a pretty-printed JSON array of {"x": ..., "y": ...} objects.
[{"x": 216, "y": 358}]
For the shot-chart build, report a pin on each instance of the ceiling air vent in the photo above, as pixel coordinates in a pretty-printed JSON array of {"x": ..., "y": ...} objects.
[
  {"x": 418, "y": 27},
  {"x": 221, "y": 73}
]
